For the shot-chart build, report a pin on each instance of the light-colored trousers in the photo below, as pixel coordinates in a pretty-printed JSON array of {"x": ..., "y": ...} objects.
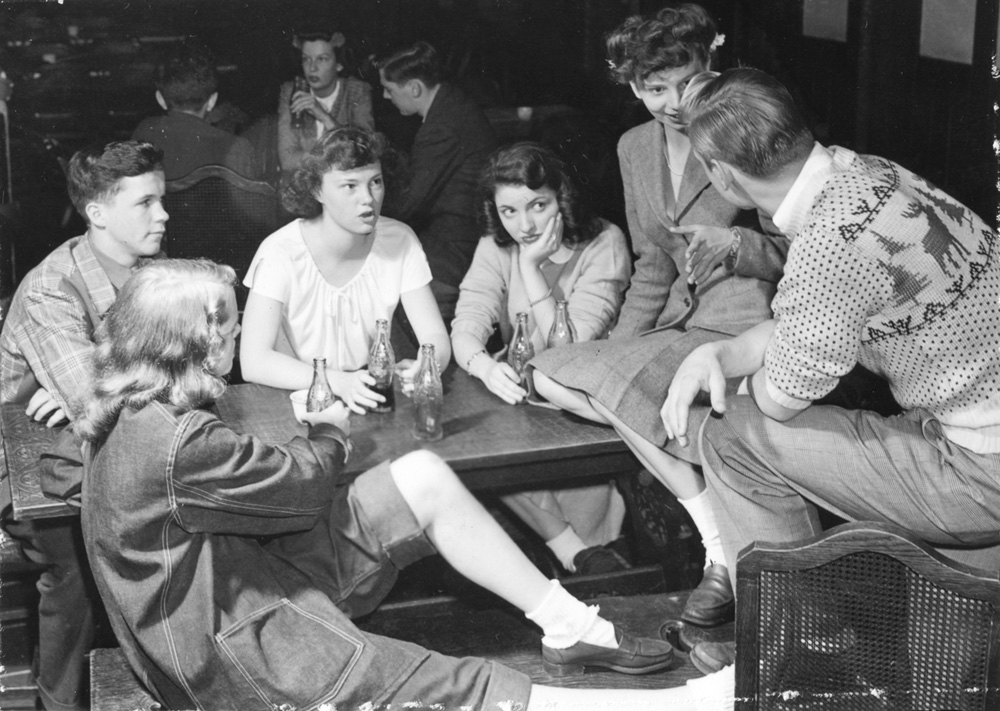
[{"x": 767, "y": 477}]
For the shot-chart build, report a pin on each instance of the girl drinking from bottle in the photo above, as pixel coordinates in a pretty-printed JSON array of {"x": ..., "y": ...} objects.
[
  {"x": 319, "y": 100},
  {"x": 320, "y": 283},
  {"x": 542, "y": 245}
]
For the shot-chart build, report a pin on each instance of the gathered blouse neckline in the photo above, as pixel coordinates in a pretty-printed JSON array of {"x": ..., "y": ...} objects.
[{"x": 314, "y": 265}]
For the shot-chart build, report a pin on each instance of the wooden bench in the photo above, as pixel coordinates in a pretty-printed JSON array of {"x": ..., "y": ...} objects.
[{"x": 114, "y": 686}]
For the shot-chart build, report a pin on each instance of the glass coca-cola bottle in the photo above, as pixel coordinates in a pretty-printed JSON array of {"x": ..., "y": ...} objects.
[
  {"x": 320, "y": 395},
  {"x": 382, "y": 366},
  {"x": 298, "y": 117},
  {"x": 521, "y": 350},
  {"x": 562, "y": 332},
  {"x": 428, "y": 397}
]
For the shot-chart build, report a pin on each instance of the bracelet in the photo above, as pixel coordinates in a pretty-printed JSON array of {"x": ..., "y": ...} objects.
[
  {"x": 468, "y": 363},
  {"x": 533, "y": 304}
]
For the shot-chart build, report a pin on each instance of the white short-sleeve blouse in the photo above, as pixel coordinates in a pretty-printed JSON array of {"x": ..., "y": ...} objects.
[{"x": 336, "y": 323}]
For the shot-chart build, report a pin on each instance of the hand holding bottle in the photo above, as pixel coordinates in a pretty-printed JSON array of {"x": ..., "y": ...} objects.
[
  {"x": 336, "y": 414},
  {"x": 356, "y": 390},
  {"x": 502, "y": 380}
]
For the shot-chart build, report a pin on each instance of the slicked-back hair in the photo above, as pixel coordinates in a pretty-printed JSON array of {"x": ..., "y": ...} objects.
[
  {"x": 187, "y": 77},
  {"x": 673, "y": 37},
  {"x": 96, "y": 171},
  {"x": 347, "y": 148},
  {"x": 160, "y": 342},
  {"x": 418, "y": 61},
  {"x": 534, "y": 166},
  {"x": 747, "y": 119}
]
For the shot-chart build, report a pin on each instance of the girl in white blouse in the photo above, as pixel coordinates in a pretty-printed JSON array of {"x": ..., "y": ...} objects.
[{"x": 319, "y": 284}]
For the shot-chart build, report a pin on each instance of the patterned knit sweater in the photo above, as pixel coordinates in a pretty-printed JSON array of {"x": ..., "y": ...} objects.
[{"x": 891, "y": 272}]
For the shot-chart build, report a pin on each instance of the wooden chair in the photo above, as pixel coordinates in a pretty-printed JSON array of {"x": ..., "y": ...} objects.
[
  {"x": 864, "y": 616},
  {"x": 218, "y": 214}
]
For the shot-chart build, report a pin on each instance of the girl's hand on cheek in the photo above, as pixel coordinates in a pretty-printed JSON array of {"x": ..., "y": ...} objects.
[{"x": 545, "y": 246}]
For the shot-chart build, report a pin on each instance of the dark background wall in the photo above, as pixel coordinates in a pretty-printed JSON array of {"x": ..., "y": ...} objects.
[{"x": 84, "y": 71}]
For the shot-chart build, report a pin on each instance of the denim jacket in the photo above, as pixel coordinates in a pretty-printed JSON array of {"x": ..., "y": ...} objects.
[{"x": 178, "y": 514}]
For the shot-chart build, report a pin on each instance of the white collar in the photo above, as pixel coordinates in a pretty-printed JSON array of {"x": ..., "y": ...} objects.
[
  {"x": 327, "y": 101},
  {"x": 794, "y": 208}
]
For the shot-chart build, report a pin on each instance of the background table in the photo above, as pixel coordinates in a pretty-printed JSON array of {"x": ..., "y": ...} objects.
[{"x": 492, "y": 445}]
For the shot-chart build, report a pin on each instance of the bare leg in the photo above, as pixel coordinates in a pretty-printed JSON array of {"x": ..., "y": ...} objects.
[
  {"x": 681, "y": 478},
  {"x": 465, "y": 533},
  {"x": 677, "y": 475}
]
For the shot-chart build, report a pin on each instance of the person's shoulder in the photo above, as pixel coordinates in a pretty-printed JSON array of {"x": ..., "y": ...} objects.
[
  {"x": 149, "y": 126},
  {"x": 56, "y": 266},
  {"x": 458, "y": 109},
  {"x": 609, "y": 231},
  {"x": 393, "y": 231},
  {"x": 354, "y": 86},
  {"x": 638, "y": 136},
  {"x": 285, "y": 241}
]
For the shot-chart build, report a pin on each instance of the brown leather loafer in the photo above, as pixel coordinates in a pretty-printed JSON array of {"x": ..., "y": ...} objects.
[
  {"x": 712, "y": 603},
  {"x": 710, "y": 657},
  {"x": 634, "y": 655}
]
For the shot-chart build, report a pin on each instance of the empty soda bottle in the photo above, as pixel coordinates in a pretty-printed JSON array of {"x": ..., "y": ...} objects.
[
  {"x": 382, "y": 366},
  {"x": 562, "y": 332},
  {"x": 298, "y": 117},
  {"x": 428, "y": 397},
  {"x": 320, "y": 396},
  {"x": 521, "y": 350}
]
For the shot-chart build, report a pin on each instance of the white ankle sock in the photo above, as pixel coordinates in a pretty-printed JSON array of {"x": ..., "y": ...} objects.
[
  {"x": 565, "y": 546},
  {"x": 700, "y": 509},
  {"x": 565, "y": 621}
]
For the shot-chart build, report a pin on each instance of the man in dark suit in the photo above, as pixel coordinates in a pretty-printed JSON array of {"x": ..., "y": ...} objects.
[{"x": 437, "y": 197}]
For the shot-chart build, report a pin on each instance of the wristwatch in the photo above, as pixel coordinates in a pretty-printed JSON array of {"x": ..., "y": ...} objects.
[{"x": 734, "y": 250}]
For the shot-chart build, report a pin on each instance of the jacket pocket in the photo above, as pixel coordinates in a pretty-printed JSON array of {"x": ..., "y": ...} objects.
[{"x": 291, "y": 657}]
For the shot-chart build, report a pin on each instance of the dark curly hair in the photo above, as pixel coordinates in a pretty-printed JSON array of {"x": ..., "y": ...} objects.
[
  {"x": 534, "y": 166},
  {"x": 673, "y": 37},
  {"x": 345, "y": 148}
]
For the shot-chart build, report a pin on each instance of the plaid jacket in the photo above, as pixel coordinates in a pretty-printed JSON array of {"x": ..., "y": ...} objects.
[{"x": 48, "y": 334}]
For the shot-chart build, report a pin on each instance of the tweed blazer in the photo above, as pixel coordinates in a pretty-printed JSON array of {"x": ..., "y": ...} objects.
[{"x": 659, "y": 295}]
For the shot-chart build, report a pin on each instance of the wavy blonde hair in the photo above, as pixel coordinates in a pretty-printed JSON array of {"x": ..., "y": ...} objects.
[{"x": 161, "y": 341}]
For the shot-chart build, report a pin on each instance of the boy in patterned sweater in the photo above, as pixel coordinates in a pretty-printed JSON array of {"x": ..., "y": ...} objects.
[{"x": 884, "y": 270}]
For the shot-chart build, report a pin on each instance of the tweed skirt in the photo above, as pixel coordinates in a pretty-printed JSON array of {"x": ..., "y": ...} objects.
[{"x": 631, "y": 378}]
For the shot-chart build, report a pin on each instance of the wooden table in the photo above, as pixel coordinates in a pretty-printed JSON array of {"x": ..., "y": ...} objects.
[{"x": 490, "y": 444}]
